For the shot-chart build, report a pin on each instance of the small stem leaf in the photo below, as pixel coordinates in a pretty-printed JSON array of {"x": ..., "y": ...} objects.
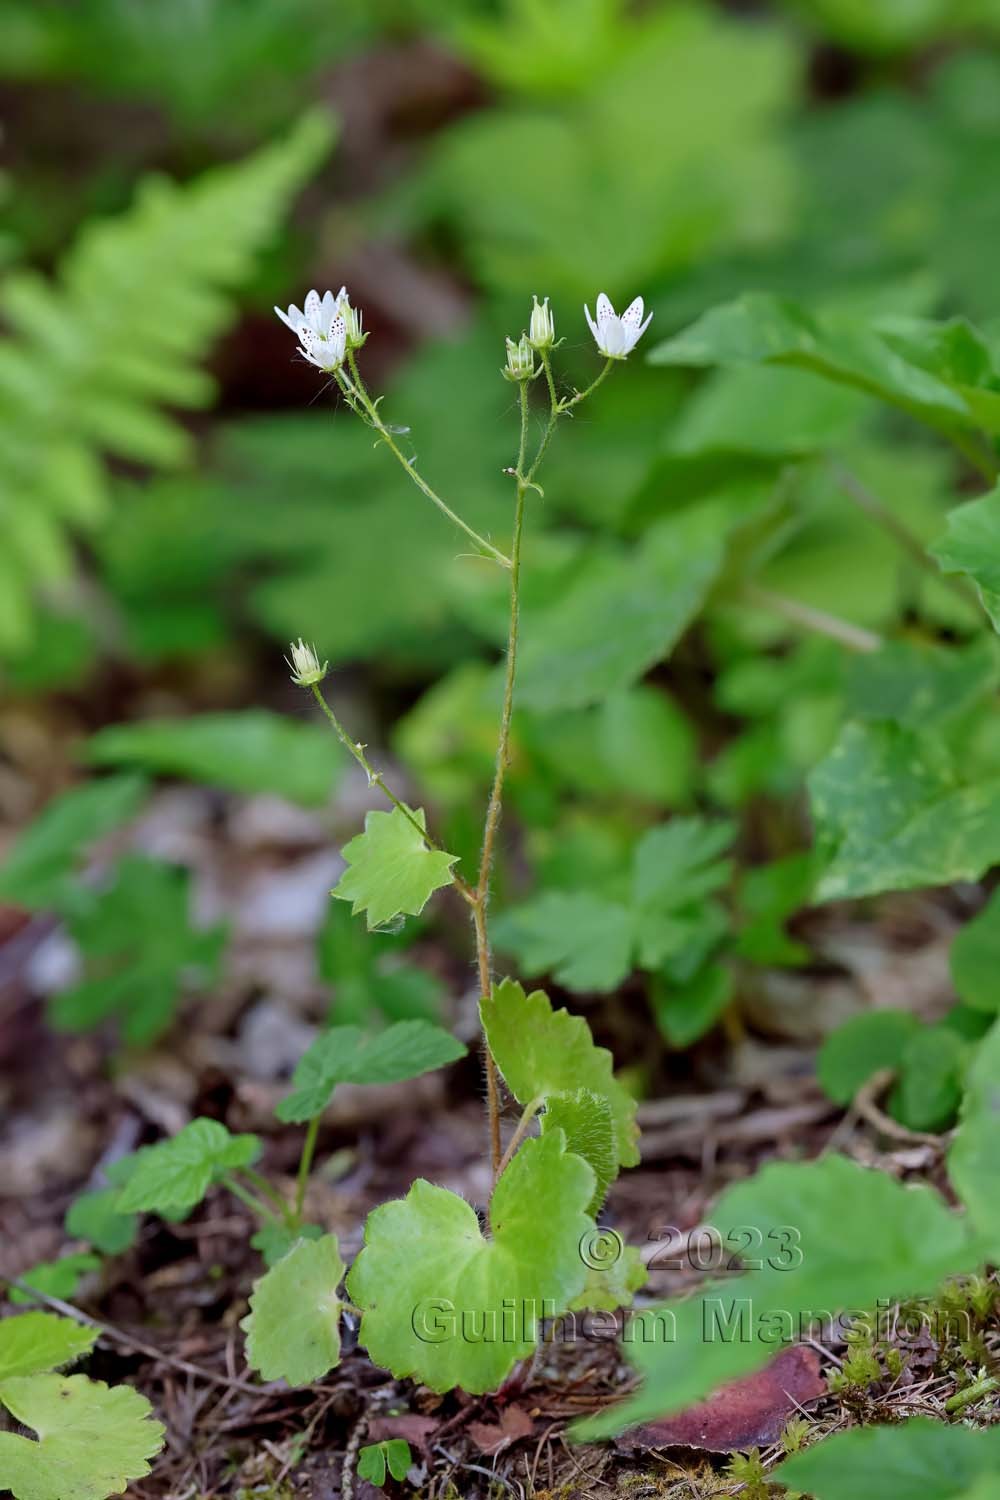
[
  {"x": 586, "y": 1121},
  {"x": 37, "y": 1342},
  {"x": 293, "y": 1326},
  {"x": 449, "y": 1307},
  {"x": 92, "y": 1439},
  {"x": 391, "y": 870},
  {"x": 541, "y": 1052},
  {"x": 613, "y": 1285},
  {"x": 177, "y": 1174},
  {"x": 344, "y": 1054}
]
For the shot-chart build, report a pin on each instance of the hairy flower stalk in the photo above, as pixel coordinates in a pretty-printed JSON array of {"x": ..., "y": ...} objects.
[{"x": 330, "y": 329}]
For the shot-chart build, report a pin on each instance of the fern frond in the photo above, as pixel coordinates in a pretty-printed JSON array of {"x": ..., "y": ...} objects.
[{"x": 97, "y": 354}]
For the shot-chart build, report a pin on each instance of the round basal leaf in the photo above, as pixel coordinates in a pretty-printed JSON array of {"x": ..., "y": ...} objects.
[
  {"x": 92, "y": 1438},
  {"x": 391, "y": 872},
  {"x": 863, "y": 1046},
  {"x": 178, "y": 1173},
  {"x": 40, "y": 1341},
  {"x": 445, "y": 1305},
  {"x": 293, "y": 1326},
  {"x": 541, "y": 1052},
  {"x": 344, "y": 1054}
]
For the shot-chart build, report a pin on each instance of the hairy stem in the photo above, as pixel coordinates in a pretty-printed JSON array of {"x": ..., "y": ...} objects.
[
  {"x": 492, "y": 823},
  {"x": 375, "y": 778},
  {"x": 579, "y": 396},
  {"x": 354, "y": 388},
  {"x": 528, "y": 1115},
  {"x": 817, "y": 620}
]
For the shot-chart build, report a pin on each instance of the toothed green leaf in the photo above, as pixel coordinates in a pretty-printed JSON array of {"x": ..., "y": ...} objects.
[
  {"x": 293, "y": 1326},
  {"x": 449, "y": 1307},
  {"x": 586, "y": 1121},
  {"x": 177, "y": 1173},
  {"x": 93, "y": 1439},
  {"x": 37, "y": 1342},
  {"x": 344, "y": 1054},
  {"x": 391, "y": 871}
]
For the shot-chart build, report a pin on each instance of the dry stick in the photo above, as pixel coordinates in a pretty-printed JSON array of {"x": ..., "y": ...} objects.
[
  {"x": 873, "y": 507},
  {"x": 817, "y": 620},
  {"x": 118, "y": 1336}
]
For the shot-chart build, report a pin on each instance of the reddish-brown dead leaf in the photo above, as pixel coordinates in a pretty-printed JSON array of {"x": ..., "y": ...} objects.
[
  {"x": 416, "y": 1430},
  {"x": 490, "y": 1437},
  {"x": 747, "y": 1413}
]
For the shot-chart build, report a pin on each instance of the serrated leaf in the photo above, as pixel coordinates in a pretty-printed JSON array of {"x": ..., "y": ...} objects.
[
  {"x": 891, "y": 814},
  {"x": 435, "y": 1293},
  {"x": 250, "y": 751},
  {"x": 93, "y": 1439},
  {"x": 94, "y": 1216},
  {"x": 971, "y": 545},
  {"x": 580, "y": 938},
  {"x": 974, "y": 1162},
  {"x": 391, "y": 1453},
  {"x": 676, "y": 867},
  {"x": 56, "y": 1278},
  {"x": 541, "y": 1052},
  {"x": 392, "y": 871},
  {"x": 586, "y": 1121},
  {"x": 345, "y": 1054},
  {"x": 825, "y": 1236},
  {"x": 685, "y": 1011},
  {"x": 275, "y": 1240},
  {"x": 860, "y": 1048},
  {"x": 975, "y": 958},
  {"x": 37, "y": 1342},
  {"x": 915, "y": 1460},
  {"x": 176, "y": 1174},
  {"x": 38, "y": 871},
  {"x": 293, "y": 1326}
]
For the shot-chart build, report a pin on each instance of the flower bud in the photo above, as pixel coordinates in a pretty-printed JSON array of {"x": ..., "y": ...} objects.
[
  {"x": 352, "y": 322},
  {"x": 304, "y": 664},
  {"x": 542, "y": 330},
  {"x": 520, "y": 360}
]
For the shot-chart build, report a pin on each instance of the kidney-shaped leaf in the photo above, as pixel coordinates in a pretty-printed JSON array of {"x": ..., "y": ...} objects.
[
  {"x": 293, "y": 1326},
  {"x": 449, "y": 1307},
  {"x": 92, "y": 1439}
]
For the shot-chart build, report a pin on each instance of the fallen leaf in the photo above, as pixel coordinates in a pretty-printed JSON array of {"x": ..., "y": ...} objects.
[
  {"x": 746, "y": 1413},
  {"x": 415, "y": 1429},
  {"x": 491, "y": 1438}
]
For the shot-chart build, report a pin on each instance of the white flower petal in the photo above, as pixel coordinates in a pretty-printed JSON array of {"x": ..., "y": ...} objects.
[
  {"x": 604, "y": 310},
  {"x": 286, "y": 317},
  {"x": 632, "y": 316},
  {"x": 313, "y": 306},
  {"x": 592, "y": 325},
  {"x": 328, "y": 309}
]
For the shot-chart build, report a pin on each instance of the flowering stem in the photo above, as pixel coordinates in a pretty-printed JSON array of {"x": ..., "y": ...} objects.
[
  {"x": 354, "y": 388},
  {"x": 375, "y": 778},
  {"x": 482, "y": 892},
  {"x": 575, "y": 400}
]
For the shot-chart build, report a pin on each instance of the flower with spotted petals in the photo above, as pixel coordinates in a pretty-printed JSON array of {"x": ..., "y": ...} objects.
[
  {"x": 616, "y": 336},
  {"x": 321, "y": 328}
]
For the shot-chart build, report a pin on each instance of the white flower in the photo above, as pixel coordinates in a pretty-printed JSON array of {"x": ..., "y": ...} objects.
[
  {"x": 617, "y": 336},
  {"x": 542, "y": 329},
  {"x": 520, "y": 360},
  {"x": 304, "y": 664},
  {"x": 322, "y": 328}
]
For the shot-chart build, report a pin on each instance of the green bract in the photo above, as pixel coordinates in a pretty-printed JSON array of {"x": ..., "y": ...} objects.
[
  {"x": 344, "y": 1054},
  {"x": 176, "y": 1174},
  {"x": 445, "y": 1305},
  {"x": 293, "y": 1326},
  {"x": 541, "y": 1052},
  {"x": 392, "y": 871}
]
